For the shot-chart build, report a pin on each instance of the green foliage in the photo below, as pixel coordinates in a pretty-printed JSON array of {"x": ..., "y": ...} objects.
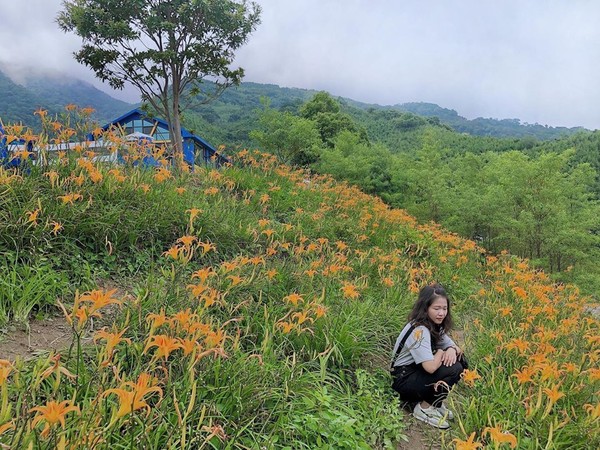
[
  {"x": 326, "y": 114},
  {"x": 536, "y": 200},
  {"x": 321, "y": 102},
  {"x": 25, "y": 287},
  {"x": 164, "y": 49},
  {"x": 294, "y": 139},
  {"x": 329, "y": 418}
]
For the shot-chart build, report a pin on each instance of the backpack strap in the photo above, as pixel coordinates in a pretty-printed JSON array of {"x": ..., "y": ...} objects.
[{"x": 401, "y": 345}]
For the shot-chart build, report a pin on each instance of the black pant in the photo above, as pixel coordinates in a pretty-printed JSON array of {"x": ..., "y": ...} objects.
[{"x": 414, "y": 384}]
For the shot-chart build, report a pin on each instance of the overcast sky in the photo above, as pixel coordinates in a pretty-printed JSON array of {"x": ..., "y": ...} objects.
[{"x": 536, "y": 60}]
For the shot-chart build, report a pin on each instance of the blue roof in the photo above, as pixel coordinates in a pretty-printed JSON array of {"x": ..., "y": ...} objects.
[{"x": 139, "y": 114}]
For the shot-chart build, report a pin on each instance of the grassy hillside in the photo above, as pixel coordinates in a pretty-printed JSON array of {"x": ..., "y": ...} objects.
[{"x": 256, "y": 306}]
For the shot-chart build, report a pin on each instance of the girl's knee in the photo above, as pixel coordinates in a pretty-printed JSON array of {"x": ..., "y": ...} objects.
[{"x": 451, "y": 374}]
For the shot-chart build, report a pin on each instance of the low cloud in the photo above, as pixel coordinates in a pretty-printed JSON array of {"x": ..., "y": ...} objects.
[{"x": 512, "y": 59}]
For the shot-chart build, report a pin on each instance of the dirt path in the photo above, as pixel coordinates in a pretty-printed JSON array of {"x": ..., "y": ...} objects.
[
  {"x": 53, "y": 333},
  {"x": 420, "y": 436},
  {"x": 36, "y": 338}
]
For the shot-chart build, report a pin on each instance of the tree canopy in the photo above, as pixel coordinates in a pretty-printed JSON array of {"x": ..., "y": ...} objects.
[{"x": 165, "y": 48}]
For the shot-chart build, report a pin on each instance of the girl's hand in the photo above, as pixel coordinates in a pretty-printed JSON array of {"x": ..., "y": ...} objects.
[{"x": 449, "y": 356}]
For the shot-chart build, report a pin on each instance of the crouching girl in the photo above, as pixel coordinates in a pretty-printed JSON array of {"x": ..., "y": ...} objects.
[{"x": 427, "y": 363}]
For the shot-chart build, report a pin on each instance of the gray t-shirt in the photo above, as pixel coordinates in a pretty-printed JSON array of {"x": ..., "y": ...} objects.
[{"x": 417, "y": 347}]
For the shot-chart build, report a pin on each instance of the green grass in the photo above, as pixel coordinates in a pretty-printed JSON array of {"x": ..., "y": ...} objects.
[{"x": 272, "y": 233}]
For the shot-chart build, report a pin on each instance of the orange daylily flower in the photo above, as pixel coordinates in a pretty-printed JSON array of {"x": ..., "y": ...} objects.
[
  {"x": 173, "y": 252},
  {"x": 194, "y": 212},
  {"x": 6, "y": 368},
  {"x": 320, "y": 310},
  {"x": 164, "y": 344},
  {"x": 525, "y": 375},
  {"x": 187, "y": 241},
  {"x": 387, "y": 281},
  {"x": 52, "y": 176},
  {"x": 501, "y": 437},
  {"x": 293, "y": 298},
  {"x": 133, "y": 399},
  {"x": 553, "y": 394},
  {"x": 117, "y": 175},
  {"x": 56, "y": 227},
  {"x": 57, "y": 370},
  {"x": 32, "y": 216},
  {"x": 271, "y": 274},
  {"x": 99, "y": 299},
  {"x": 185, "y": 318},
  {"x": 214, "y": 338},
  {"x": 256, "y": 260},
  {"x": 70, "y": 198},
  {"x": 157, "y": 319},
  {"x": 469, "y": 377},
  {"x": 350, "y": 291},
  {"x": 197, "y": 289},
  {"x": 112, "y": 339},
  {"x": 519, "y": 344},
  {"x": 469, "y": 444},
  {"x": 162, "y": 174},
  {"x": 41, "y": 112},
  {"x": 285, "y": 326},
  {"x": 302, "y": 317},
  {"x": 206, "y": 247},
  {"x": 594, "y": 374},
  {"x": 188, "y": 345},
  {"x": 95, "y": 176},
  {"x": 235, "y": 280},
  {"x": 268, "y": 232},
  {"x": 210, "y": 298},
  {"x": 52, "y": 413},
  {"x": 203, "y": 274}
]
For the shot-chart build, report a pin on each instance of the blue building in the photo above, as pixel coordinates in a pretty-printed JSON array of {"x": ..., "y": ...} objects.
[
  {"x": 7, "y": 159},
  {"x": 196, "y": 151}
]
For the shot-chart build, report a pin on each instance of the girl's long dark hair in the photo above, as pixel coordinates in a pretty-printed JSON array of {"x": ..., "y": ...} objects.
[{"x": 418, "y": 315}]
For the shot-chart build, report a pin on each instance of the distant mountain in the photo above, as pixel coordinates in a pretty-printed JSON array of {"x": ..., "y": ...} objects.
[
  {"x": 230, "y": 118},
  {"x": 34, "y": 90},
  {"x": 18, "y": 103},
  {"x": 486, "y": 127}
]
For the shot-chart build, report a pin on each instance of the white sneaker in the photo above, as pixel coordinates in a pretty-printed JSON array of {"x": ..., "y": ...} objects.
[
  {"x": 430, "y": 415},
  {"x": 445, "y": 412}
]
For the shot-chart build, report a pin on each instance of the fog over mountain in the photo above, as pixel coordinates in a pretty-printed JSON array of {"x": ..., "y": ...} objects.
[{"x": 509, "y": 59}]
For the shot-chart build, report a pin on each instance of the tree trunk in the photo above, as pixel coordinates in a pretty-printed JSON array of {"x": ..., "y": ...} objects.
[
  {"x": 175, "y": 123},
  {"x": 176, "y": 140}
]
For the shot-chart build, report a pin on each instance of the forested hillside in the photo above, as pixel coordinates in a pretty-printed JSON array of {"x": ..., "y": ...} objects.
[
  {"x": 486, "y": 126},
  {"x": 538, "y": 200}
]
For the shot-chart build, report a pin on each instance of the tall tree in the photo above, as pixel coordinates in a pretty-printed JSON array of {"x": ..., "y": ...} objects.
[{"x": 165, "y": 48}]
